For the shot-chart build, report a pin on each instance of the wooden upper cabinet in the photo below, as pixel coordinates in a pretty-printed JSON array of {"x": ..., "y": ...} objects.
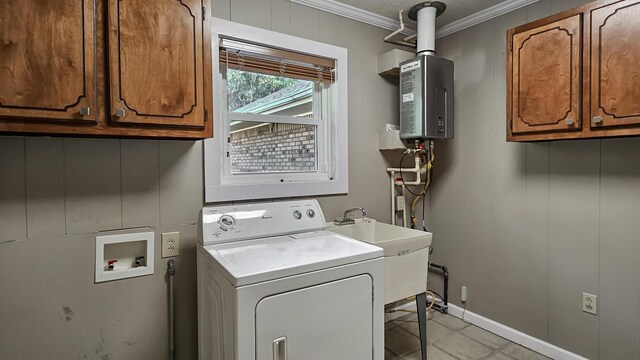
[
  {"x": 615, "y": 65},
  {"x": 545, "y": 68},
  {"x": 156, "y": 62},
  {"x": 562, "y": 84},
  {"x": 47, "y": 66},
  {"x": 116, "y": 68}
]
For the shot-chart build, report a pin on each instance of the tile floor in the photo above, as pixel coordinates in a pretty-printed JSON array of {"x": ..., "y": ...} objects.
[{"x": 449, "y": 338}]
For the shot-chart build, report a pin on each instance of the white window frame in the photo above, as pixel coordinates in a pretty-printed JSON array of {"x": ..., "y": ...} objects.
[
  {"x": 331, "y": 140},
  {"x": 321, "y": 140}
]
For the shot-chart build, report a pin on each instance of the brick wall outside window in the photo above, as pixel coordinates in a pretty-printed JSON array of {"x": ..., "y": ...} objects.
[{"x": 274, "y": 148}]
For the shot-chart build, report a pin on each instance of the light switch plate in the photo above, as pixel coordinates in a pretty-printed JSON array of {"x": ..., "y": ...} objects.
[{"x": 170, "y": 244}]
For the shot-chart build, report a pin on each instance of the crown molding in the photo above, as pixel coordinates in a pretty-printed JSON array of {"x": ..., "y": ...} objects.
[
  {"x": 354, "y": 13},
  {"x": 482, "y": 16},
  {"x": 367, "y": 17}
]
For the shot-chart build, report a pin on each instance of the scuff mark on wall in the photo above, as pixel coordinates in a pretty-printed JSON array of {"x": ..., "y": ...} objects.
[
  {"x": 68, "y": 314},
  {"x": 99, "y": 350}
]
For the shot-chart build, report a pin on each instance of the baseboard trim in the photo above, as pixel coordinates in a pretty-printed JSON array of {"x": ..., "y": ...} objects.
[{"x": 508, "y": 333}]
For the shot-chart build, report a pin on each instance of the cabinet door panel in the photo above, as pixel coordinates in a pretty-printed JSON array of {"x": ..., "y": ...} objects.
[
  {"x": 47, "y": 68},
  {"x": 156, "y": 62},
  {"x": 545, "y": 81},
  {"x": 615, "y": 59}
]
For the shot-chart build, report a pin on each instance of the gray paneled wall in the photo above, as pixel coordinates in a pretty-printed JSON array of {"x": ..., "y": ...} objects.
[
  {"x": 56, "y": 194},
  {"x": 372, "y": 99},
  {"x": 529, "y": 227}
]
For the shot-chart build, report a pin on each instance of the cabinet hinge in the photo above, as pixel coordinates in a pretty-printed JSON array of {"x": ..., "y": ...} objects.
[
  {"x": 204, "y": 13},
  {"x": 206, "y": 115}
]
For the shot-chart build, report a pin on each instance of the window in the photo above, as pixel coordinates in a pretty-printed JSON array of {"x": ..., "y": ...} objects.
[
  {"x": 281, "y": 116},
  {"x": 262, "y": 143}
]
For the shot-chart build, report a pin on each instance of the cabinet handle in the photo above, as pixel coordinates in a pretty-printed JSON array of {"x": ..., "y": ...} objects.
[
  {"x": 120, "y": 113},
  {"x": 597, "y": 120},
  {"x": 569, "y": 122},
  {"x": 85, "y": 111},
  {"x": 280, "y": 348}
]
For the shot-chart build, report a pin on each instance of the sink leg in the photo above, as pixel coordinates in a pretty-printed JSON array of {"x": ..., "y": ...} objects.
[{"x": 421, "y": 304}]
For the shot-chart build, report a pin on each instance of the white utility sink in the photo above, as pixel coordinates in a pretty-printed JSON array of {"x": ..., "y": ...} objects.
[{"x": 406, "y": 255}]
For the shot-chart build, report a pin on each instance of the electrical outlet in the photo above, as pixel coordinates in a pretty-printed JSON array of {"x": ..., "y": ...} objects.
[
  {"x": 170, "y": 244},
  {"x": 463, "y": 294},
  {"x": 590, "y": 303}
]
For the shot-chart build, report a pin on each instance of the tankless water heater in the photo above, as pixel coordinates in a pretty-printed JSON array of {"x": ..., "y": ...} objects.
[
  {"x": 426, "y": 82},
  {"x": 426, "y": 98}
]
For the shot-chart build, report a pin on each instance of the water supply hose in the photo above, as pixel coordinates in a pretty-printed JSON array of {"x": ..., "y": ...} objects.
[{"x": 427, "y": 185}]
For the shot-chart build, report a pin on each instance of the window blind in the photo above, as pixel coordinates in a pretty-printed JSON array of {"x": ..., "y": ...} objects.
[{"x": 245, "y": 56}]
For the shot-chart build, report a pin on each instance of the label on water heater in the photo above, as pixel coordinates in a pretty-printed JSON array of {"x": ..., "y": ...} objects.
[
  {"x": 411, "y": 96},
  {"x": 410, "y": 66},
  {"x": 407, "y": 97}
]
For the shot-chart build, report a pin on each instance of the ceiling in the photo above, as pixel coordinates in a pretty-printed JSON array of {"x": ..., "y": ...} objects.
[{"x": 456, "y": 9}]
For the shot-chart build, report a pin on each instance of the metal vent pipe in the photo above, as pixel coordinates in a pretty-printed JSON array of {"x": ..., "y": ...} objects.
[{"x": 425, "y": 14}]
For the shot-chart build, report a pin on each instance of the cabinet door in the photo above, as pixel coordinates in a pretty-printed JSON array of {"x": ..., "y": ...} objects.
[
  {"x": 545, "y": 77},
  {"x": 47, "y": 68},
  {"x": 615, "y": 64},
  {"x": 156, "y": 62},
  {"x": 328, "y": 321}
]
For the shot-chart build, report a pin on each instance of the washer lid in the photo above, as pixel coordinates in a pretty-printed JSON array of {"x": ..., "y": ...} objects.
[{"x": 252, "y": 261}]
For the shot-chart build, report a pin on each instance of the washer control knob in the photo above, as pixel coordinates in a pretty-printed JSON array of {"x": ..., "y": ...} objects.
[
  {"x": 311, "y": 213},
  {"x": 297, "y": 214},
  {"x": 226, "y": 222}
]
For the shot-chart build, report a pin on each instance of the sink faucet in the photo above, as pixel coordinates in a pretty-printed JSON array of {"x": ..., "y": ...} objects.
[{"x": 346, "y": 218}]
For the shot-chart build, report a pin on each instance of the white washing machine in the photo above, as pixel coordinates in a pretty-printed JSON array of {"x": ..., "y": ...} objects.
[{"x": 273, "y": 284}]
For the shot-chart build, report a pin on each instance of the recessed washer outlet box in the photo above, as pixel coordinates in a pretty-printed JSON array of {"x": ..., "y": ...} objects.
[{"x": 124, "y": 256}]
